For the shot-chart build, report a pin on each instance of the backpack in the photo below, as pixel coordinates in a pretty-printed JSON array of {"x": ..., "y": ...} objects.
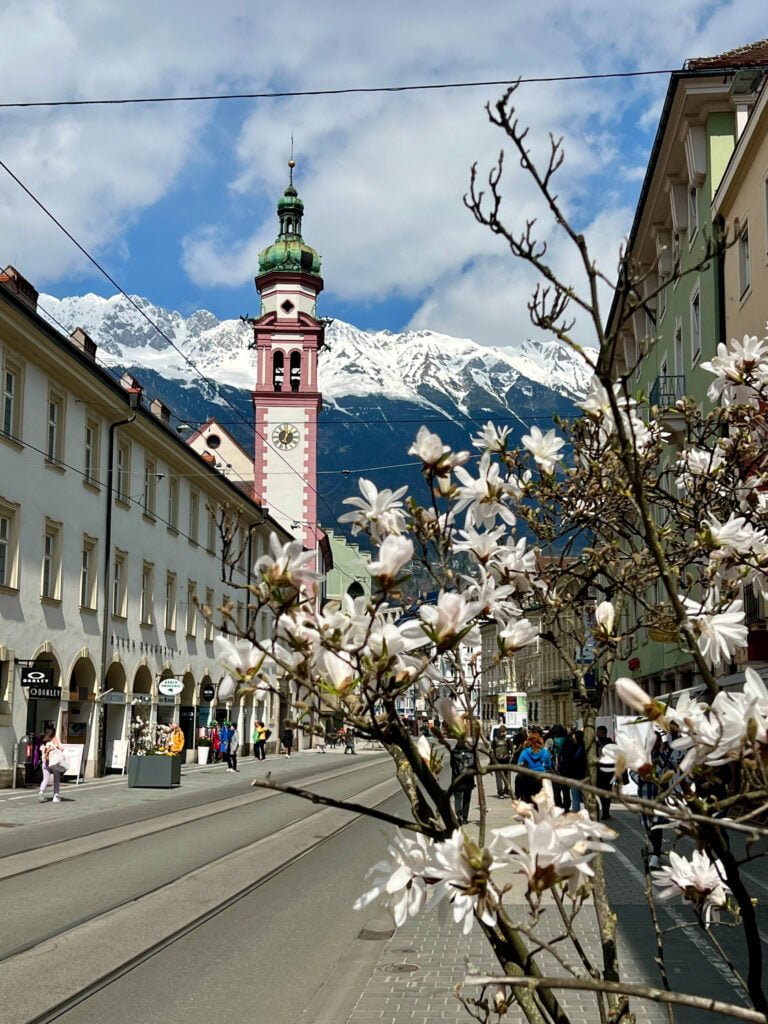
[{"x": 464, "y": 761}]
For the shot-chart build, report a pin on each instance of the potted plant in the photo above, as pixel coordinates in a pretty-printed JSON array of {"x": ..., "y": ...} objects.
[
  {"x": 203, "y": 750},
  {"x": 153, "y": 762}
]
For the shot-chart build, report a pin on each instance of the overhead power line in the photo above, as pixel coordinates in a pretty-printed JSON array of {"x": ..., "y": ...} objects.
[{"x": 124, "y": 101}]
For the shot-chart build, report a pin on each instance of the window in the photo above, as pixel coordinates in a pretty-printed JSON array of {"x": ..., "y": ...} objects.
[
  {"x": 662, "y": 297},
  {"x": 123, "y": 472},
  {"x": 91, "y": 452},
  {"x": 173, "y": 502},
  {"x": 170, "y": 601},
  {"x": 147, "y": 595},
  {"x": 149, "y": 497},
  {"x": 242, "y": 548},
  {"x": 693, "y": 212},
  {"x": 11, "y": 400},
  {"x": 676, "y": 254},
  {"x": 695, "y": 326},
  {"x": 6, "y": 683},
  {"x": 194, "y": 516},
  {"x": 209, "y": 599},
  {"x": 191, "y": 608},
  {"x": 240, "y": 617},
  {"x": 119, "y": 580},
  {"x": 88, "y": 569},
  {"x": 210, "y": 542},
  {"x": 50, "y": 584},
  {"x": 54, "y": 439},
  {"x": 745, "y": 266},
  {"x": 9, "y": 545}
]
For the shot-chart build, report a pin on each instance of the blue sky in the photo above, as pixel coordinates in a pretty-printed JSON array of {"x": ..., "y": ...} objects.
[{"x": 176, "y": 201}]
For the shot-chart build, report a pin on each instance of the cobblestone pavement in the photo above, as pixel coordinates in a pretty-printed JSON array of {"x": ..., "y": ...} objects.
[{"x": 418, "y": 967}]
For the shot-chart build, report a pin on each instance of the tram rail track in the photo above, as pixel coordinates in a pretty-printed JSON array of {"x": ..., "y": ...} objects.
[
  {"x": 45, "y": 854},
  {"x": 294, "y": 842}
]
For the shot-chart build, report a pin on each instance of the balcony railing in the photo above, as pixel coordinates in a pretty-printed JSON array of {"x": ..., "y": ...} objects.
[{"x": 667, "y": 390}]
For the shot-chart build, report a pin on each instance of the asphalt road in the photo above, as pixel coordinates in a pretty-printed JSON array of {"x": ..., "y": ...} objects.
[{"x": 270, "y": 951}]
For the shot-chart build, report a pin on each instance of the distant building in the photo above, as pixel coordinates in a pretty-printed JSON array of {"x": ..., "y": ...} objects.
[{"x": 219, "y": 448}]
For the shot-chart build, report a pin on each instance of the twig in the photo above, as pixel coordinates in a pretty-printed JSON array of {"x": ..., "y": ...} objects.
[{"x": 656, "y": 995}]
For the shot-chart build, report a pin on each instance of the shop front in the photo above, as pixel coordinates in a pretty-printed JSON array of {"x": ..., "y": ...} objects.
[{"x": 41, "y": 682}]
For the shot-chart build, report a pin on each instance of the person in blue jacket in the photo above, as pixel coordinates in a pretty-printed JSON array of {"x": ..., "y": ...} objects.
[
  {"x": 535, "y": 756},
  {"x": 225, "y": 733}
]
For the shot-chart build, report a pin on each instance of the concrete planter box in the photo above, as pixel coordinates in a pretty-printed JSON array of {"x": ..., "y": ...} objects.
[{"x": 154, "y": 771}]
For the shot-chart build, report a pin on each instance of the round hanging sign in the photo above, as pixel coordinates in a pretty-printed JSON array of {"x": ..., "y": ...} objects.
[
  {"x": 170, "y": 687},
  {"x": 208, "y": 692}
]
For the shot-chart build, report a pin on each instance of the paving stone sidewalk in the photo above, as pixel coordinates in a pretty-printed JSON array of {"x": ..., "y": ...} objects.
[{"x": 417, "y": 969}]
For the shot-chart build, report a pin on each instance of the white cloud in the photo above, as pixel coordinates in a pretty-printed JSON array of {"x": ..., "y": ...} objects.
[{"x": 382, "y": 175}]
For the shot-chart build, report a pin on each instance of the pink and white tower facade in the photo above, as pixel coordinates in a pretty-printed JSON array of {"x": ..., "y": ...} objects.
[{"x": 288, "y": 336}]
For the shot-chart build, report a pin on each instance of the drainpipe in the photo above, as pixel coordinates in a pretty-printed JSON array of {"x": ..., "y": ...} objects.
[
  {"x": 134, "y": 397},
  {"x": 720, "y": 280}
]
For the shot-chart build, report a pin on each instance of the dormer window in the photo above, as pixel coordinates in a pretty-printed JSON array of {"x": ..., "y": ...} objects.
[{"x": 287, "y": 306}]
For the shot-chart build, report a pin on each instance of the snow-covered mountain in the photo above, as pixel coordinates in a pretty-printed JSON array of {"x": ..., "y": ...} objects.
[
  {"x": 377, "y": 387},
  {"x": 403, "y": 367}
]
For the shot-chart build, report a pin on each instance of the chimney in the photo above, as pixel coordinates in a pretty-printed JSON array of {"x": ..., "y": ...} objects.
[
  {"x": 161, "y": 410},
  {"x": 207, "y": 457},
  {"x": 130, "y": 383},
  {"x": 11, "y": 279},
  {"x": 84, "y": 342}
]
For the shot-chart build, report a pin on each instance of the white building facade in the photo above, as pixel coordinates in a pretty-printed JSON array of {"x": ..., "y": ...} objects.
[{"x": 109, "y": 543}]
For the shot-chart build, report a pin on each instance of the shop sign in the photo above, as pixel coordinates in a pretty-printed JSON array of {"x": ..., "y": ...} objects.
[
  {"x": 115, "y": 697},
  {"x": 37, "y": 677},
  {"x": 45, "y": 692},
  {"x": 141, "y": 698},
  {"x": 208, "y": 692},
  {"x": 170, "y": 687},
  {"x": 165, "y": 699}
]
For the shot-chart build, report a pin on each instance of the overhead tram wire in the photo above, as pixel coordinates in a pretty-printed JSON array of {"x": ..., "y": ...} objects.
[
  {"x": 344, "y": 91},
  {"x": 211, "y": 383}
]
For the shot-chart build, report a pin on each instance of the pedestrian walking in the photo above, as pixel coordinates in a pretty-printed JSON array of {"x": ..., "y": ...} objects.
[
  {"x": 502, "y": 749},
  {"x": 604, "y": 775},
  {"x": 53, "y": 763},
  {"x": 287, "y": 739},
  {"x": 224, "y": 733},
  {"x": 349, "y": 740},
  {"x": 255, "y": 736},
  {"x": 215, "y": 738},
  {"x": 463, "y": 767},
  {"x": 561, "y": 744},
  {"x": 575, "y": 766},
  {"x": 232, "y": 747},
  {"x": 535, "y": 756}
]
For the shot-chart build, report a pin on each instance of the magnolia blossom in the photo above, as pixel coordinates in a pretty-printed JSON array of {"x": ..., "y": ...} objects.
[
  {"x": 482, "y": 546},
  {"x": 242, "y": 660},
  {"x": 549, "y": 846},
  {"x": 697, "y": 463},
  {"x": 719, "y": 633},
  {"x": 399, "y": 883},
  {"x": 636, "y": 697},
  {"x": 605, "y": 615},
  {"x": 394, "y": 553},
  {"x": 424, "y": 748},
  {"x": 737, "y": 363},
  {"x": 450, "y": 618},
  {"x": 545, "y": 448},
  {"x": 632, "y": 750},
  {"x": 485, "y": 498},
  {"x": 698, "y": 880},
  {"x": 339, "y": 671},
  {"x": 463, "y": 890},
  {"x": 288, "y": 566},
  {"x": 379, "y": 511},
  {"x": 517, "y": 635},
  {"x": 492, "y": 438},
  {"x": 453, "y": 716}
]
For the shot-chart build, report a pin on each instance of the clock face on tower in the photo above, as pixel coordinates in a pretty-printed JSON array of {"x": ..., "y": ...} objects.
[{"x": 285, "y": 436}]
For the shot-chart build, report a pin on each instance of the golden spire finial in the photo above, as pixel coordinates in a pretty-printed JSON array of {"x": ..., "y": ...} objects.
[{"x": 291, "y": 162}]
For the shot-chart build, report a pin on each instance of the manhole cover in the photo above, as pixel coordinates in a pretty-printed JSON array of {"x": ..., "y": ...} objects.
[{"x": 399, "y": 968}]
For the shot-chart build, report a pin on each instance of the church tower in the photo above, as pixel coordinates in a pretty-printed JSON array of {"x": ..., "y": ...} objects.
[{"x": 287, "y": 336}]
